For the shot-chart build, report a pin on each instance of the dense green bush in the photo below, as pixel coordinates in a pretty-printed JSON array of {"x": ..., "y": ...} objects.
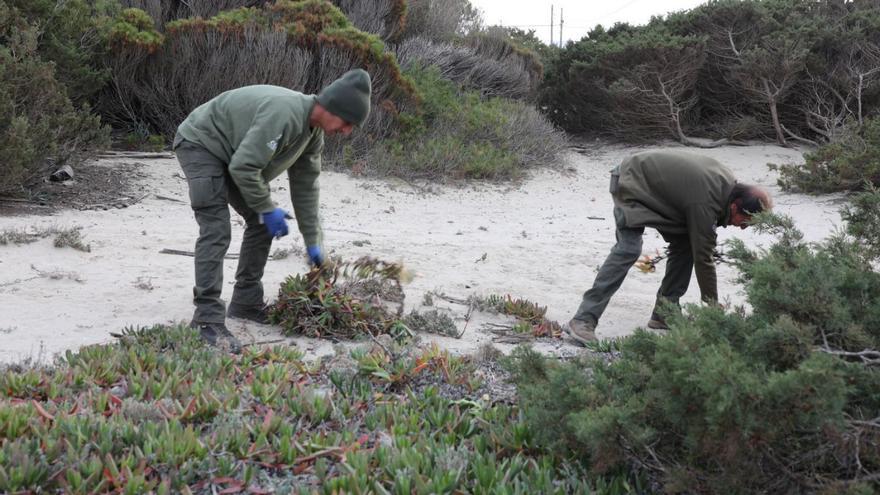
[
  {"x": 849, "y": 163},
  {"x": 641, "y": 84},
  {"x": 791, "y": 70},
  {"x": 783, "y": 400},
  {"x": 460, "y": 135},
  {"x": 38, "y": 122},
  {"x": 72, "y": 37},
  {"x": 863, "y": 221}
]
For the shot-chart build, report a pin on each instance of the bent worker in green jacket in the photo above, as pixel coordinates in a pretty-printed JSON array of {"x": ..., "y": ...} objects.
[
  {"x": 230, "y": 148},
  {"x": 684, "y": 196}
]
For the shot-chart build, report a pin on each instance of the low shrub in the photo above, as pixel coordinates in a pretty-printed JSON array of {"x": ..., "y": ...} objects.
[
  {"x": 846, "y": 164},
  {"x": 144, "y": 142},
  {"x": 440, "y": 21},
  {"x": 459, "y": 135},
  {"x": 495, "y": 44},
  {"x": 163, "y": 11},
  {"x": 506, "y": 77},
  {"x": 531, "y": 317},
  {"x": 783, "y": 400},
  {"x": 432, "y": 321},
  {"x": 64, "y": 237},
  {"x": 384, "y": 18},
  {"x": 161, "y": 73}
]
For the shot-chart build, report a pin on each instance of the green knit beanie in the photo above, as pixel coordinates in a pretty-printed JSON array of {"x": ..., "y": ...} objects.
[{"x": 348, "y": 97}]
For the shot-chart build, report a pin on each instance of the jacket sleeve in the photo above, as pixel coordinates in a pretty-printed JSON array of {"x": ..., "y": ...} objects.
[
  {"x": 701, "y": 232},
  {"x": 266, "y": 135},
  {"x": 305, "y": 190}
]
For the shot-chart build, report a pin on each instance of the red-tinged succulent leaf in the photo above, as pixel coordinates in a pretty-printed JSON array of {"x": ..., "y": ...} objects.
[{"x": 42, "y": 412}]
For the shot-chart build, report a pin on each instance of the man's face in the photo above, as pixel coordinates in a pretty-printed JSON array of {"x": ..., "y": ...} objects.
[
  {"x": 331, "y": 124},
  {"x": 738, "y": 218}
]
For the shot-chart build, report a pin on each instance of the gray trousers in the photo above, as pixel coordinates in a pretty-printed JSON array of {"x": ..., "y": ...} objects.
[
  {"x": 211, "y": 192},
  {"x": 624, "y": 254}
]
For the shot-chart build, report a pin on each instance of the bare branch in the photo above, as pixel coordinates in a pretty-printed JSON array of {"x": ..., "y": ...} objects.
[
  {"x": 867, "y": 356},
  {"x": 733, "y": 44}
]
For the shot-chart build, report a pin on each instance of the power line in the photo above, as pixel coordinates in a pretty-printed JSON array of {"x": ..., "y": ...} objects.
[
  {"x": 541, "y": 25},
  {"x": 627, "y": 4},
  {"x": 603, "y": 16}
]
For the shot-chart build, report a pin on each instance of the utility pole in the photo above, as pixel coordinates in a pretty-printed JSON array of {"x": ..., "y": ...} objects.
[
  {"x": 561, "y": 22},
  {"x": 551, "y": 25}
]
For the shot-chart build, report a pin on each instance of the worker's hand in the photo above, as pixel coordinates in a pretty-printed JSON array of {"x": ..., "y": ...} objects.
[
  {"x": 316, "y": 255},
  {"x": 275, "y": 222}
]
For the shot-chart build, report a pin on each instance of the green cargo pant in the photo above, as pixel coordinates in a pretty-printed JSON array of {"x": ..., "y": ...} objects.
[
  {"x": 679, "y": 267},
  {"x": 624, "y": 254},
  {"x": 211, "y": 192}
]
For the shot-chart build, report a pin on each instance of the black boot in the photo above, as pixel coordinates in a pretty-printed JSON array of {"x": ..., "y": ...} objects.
[
  {"x": 258, "y": 313},
  {"x": 217, "y": 335},
  {"x": 657, "y": 322}
]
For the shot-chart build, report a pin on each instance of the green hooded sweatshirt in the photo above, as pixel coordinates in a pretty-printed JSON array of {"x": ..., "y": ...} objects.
[
  {"x": 261, "y": 131},
  {"x": 677, "y": 192}
]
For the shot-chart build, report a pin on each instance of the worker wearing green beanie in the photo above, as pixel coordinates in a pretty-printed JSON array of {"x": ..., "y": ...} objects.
[
  {"x": 348, "y": 97},
  {"x": 230, "y": 148}
]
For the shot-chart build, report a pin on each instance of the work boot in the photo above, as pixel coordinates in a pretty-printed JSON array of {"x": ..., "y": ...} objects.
[
  {"x": 582, "y": 331},
  {"x": 217, "y": 335},
  {"x": 657, "y": 322},
  {"x": 258, "y": 313}
]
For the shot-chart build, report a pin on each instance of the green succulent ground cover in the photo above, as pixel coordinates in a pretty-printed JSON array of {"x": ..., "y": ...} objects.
[{"x": 160, "y": 412}]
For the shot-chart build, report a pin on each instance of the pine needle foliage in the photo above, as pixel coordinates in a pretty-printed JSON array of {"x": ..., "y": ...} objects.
[
  {"x": 39, "y": 124},
  {"x": 850, "y": 163},
  {"x": 795, "y": 71},
  {"x": 782, "y": 400}
]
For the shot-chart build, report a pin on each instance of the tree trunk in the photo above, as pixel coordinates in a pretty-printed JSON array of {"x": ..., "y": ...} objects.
[
  {"x": 774, "y": 114},
  {"x": 861, "y": 82},
  {"x": 680, "y": 136}
]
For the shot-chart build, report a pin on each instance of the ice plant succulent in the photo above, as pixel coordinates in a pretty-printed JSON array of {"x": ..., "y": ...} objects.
[{"x": 160, "y": 412}]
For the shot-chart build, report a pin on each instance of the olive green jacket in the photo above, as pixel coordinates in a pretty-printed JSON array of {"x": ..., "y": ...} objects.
[
  {"x": 677, "y": 192},
  {"x": 261, "y": 131}
]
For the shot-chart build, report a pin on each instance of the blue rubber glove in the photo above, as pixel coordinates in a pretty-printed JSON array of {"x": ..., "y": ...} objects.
[
  {"x": 275, "y": 222},
  {"x": 316, "y": 255}
]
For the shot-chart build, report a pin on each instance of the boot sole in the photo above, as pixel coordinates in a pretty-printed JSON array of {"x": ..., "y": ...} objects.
[
  {"x": 656, "y": 325},
  {"x": 243, "y": 316},
  {"x": 581, "y": 340}
]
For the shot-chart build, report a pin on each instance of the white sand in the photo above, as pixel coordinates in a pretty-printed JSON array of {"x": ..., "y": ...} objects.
[{"x": 533, "y": 240}]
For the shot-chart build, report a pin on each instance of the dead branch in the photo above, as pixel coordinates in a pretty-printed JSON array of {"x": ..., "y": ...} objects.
[
  {"x": 179, "y": 252},
  {"x": 798, "y": 138},
  {"x": 867, "y": 356},
  {"x": 167, "y": 198},
  {"x": 135, "y": 155}
]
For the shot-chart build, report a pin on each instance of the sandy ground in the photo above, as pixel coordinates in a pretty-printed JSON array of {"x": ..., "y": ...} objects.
[{"x": 541, "y": 240}]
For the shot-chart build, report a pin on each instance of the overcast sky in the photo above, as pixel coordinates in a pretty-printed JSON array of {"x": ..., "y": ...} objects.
[{"x": 580, "y": 15}]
